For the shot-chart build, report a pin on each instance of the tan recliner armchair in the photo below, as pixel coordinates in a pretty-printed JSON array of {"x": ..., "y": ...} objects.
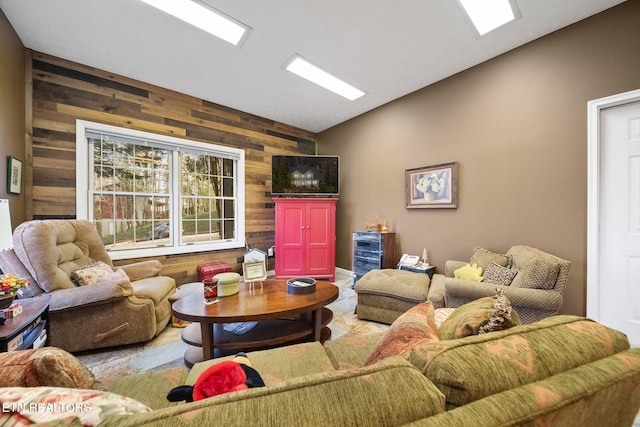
[
  {"x": 536, "y": 291},
  {"x": 93, "y": 316}
]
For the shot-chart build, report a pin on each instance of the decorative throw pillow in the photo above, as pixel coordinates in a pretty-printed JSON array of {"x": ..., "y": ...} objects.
[
  {"x": 89, "y": 275},
  {"x": 416, "y": 326},
  {"x": 47, "y": 366},
  {"x": 118, "y": 276},
  {"x": 503, "y": 316},
  {"x": 499, "y": 275},
  {"x": 484, "y": 257},
  {"x": 471, "y": 318},
  {"x": 537, "y": 270},
  {"x": 469, "y": 272}
]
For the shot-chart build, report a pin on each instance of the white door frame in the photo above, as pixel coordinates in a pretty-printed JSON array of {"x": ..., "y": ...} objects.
[{"x": 593, "y": 194}]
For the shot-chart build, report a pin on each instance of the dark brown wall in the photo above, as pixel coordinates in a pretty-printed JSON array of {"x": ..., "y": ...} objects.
[
  {"x": 64, "y": 92},
  {"x": 12, "y": 112},
  {"x": 517, "y": 126}
]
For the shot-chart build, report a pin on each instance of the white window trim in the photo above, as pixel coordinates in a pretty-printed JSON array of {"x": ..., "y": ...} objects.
[{"x": 83, "y": 201}]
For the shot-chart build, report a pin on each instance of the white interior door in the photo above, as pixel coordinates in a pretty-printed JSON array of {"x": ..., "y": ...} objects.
[{"x": 616, "y": 247}]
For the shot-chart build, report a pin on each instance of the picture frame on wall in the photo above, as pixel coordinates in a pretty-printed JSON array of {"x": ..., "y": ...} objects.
[
  {"x": 432, "y": 186},
  {"x": 14, "y": 175}
]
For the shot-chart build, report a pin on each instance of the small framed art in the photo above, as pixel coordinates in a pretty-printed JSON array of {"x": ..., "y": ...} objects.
[
  {"x": 254, "y": 271},
  {"x": 432, "y": 186},
  {"x": 14, "y": 175}
]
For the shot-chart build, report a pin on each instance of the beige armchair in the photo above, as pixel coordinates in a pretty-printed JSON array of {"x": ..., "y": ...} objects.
[
  {"x": 104, "y": 314},
  {"x": 536, "y": 291}
]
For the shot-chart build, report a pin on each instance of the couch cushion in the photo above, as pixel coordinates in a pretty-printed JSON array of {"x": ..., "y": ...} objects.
[
  {"x": 483, "y": 257},
  {"x": 471, "y": 368},
  {"x": 482, "y": 315},
  {"x": 278, "y": 364},
  {"x": 536, "y": 270},
  {"x": 416, "y": 326},
  {"x": 47, "y": 366},
  {"x": 352, "y": 349}
]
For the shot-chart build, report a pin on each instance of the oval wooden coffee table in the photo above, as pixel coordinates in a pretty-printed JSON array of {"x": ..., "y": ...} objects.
[{"x": 282, "y": 318}]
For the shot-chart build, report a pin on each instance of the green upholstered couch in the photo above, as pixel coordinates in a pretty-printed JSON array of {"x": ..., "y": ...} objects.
[{"x": 563, "y": 370}]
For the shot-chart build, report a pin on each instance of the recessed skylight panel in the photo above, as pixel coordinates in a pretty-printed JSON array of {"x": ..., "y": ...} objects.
[
  {"x": 204, "y": 17},
  {"x": 487, "y": 15},
  {"x": 309, "y": 71}
]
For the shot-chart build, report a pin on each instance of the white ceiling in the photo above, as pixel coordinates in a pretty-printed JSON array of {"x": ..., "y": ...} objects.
[{"x": 387, "y": 48}]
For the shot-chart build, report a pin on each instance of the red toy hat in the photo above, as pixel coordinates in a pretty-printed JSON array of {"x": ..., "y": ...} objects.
[
  {"x": 223, "y": 377},
  {"x": 220, "y": 378}
]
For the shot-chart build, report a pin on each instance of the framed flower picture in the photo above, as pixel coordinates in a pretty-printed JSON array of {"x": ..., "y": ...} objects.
[{"x": 432, "y": 186}]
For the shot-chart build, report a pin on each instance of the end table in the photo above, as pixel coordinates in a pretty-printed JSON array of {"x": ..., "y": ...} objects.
[
  {"x": 430, "y": 270},
  {"x": 28, "y": 329}
]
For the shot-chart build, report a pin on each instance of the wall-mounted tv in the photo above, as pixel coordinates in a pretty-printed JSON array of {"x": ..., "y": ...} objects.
[{"x": 294, "y": 176}]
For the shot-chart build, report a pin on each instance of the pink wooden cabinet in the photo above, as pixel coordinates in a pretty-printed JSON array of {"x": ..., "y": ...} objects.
[{"x": 305, "y": 237}]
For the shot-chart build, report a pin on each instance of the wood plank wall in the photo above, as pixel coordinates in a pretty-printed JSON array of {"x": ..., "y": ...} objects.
[{"x": 64, "y": 91}]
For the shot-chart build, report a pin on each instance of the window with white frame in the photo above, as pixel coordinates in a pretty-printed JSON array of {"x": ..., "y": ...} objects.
[{"x": 152, "y": 194}]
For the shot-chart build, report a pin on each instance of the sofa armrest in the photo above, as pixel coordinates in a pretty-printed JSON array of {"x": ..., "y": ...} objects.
[
  {"x": 594, "y": 394},
  {"x": 142, "y": 270},
  {"x": 451, "y": 265},
  {"x": 63, "y": 299},
  {"x": 534, "y": 298}
]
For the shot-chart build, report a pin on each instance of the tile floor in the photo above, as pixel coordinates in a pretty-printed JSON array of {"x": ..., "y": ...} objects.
[{"x": 167, "y": 349}]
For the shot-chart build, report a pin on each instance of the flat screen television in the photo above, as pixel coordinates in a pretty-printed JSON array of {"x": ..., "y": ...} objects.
[{"x": 294, "y": 176}]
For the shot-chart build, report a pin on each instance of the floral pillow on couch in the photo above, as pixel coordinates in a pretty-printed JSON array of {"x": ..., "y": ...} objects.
[
  {"x": 499, "y": 275},
  {"x": 90, "y": 274},
  {"x": 29, "y": 405}
]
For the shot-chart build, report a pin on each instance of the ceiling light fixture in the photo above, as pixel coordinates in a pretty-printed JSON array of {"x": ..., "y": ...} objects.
[
  {"x": 204, "y": 17},
  {"x": 487, "y": 15},
  {"x": 308, "y": 70}
]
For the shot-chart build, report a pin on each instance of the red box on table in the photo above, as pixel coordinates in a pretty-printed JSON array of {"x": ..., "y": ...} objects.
[{"x": 210, "y": 269}]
